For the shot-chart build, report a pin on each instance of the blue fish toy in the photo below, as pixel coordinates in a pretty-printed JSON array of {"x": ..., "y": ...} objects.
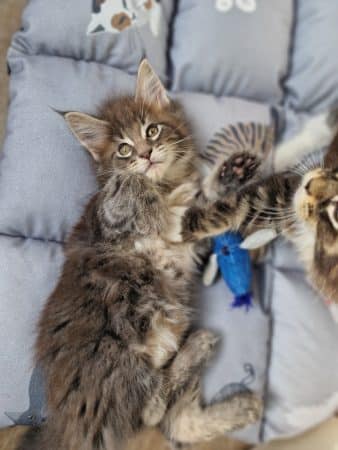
[{"x": 235, "y": 266}]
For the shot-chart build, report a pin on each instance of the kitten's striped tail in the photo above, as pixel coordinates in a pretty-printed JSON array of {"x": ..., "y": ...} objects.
[
  {"x": 22, "y": 437},
  {"x": 31, "y": 439},
  {"x": 317, "y": 133}
]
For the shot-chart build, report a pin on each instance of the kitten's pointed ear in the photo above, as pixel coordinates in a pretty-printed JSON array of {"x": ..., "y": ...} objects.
[
  {"x": 149, "y": 88},
  {"x": 91, "y": 132}
]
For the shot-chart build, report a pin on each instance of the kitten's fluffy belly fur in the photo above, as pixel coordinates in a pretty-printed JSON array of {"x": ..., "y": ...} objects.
[{"x": 115, "y": 338}]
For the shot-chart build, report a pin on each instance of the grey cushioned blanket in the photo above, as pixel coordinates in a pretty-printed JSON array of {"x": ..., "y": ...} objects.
[{"x": 71, "y": 56}]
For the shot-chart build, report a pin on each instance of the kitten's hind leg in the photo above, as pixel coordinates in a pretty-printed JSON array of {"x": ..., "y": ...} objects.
[
  {"x": 198, "y": 348},
  {"x": 189, "y": 423},
  {"x": 193, "y": 356}
]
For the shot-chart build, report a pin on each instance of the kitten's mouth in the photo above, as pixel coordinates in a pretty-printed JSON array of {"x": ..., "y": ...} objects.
[
  {"x": 304, "y": 205},
  {"x": 304, "y": 202},
  {"x": 152, "y": 165}
]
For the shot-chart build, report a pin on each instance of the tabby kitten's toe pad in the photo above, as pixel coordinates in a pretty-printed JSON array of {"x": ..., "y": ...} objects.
[{"x": 238, "y": 169}]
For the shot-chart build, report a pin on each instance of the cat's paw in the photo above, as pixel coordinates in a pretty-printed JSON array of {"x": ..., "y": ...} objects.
[
  {"x": 183, "y": 195},
  {"x": 247, "y": 408},
  {"x": 203, "y": 341},
  {"x": 238, "y": 169},
  {"x": 175, "y": 224},
  {"x": 197, "y": 349},
  {"x": 154, "y": 411}
]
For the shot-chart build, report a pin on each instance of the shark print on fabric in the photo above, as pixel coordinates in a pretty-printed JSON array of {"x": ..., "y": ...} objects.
[
  {"x": 35, "y": 414},
  {"x": 115, "y": 16},
  {"x": 247, "y": 6}
]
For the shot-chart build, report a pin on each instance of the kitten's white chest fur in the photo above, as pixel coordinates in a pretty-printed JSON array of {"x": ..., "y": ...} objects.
[{"x": 304, "y": 239}]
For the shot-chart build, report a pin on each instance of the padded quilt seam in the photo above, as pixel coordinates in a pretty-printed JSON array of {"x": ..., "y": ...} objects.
[
  {"x": 19, "y": 236},
  {"x": 15, "y": 52},
  {"x": 269, "y": 295}
]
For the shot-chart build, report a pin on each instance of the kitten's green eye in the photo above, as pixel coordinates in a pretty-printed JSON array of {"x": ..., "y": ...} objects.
[
  {"x": 152, "y": 131},
  {"x": 124, "y": 151}
]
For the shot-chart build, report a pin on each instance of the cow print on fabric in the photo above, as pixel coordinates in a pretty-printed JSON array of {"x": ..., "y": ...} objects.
[{"x": 115, "y": 16}]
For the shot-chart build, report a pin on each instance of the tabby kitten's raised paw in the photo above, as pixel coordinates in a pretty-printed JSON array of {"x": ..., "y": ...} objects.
[
  {"x": 231, "y": 175},
  {"x": 238, "y": 169}
]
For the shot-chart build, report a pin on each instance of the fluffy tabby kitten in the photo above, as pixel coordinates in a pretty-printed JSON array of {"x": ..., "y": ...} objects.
[
  {"x": 115, "y": 338},
  {"x": 302, "y": 207}
]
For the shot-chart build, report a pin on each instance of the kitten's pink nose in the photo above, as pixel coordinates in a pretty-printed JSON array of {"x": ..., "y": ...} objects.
[{"x": 146, "y": 154}]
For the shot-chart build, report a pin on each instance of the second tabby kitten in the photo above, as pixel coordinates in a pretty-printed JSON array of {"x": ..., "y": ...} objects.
[{"x": 302, "y": 207}]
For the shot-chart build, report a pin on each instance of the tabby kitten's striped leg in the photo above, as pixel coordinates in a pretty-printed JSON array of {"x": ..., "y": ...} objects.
[
  {"x": 189, "y": 361},
  {"x": 199, "y": 223},
  {"x": 259, "y": 206},
  {"x": 187, "y": 422},
  {"x": 225, "y": 209}
]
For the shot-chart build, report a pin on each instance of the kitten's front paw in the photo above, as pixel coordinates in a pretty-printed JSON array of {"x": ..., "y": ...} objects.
[
  {"x": 183, "y": 195},
  {"x": 174, "y": 229},
  {"x": 238, "y": 169}
]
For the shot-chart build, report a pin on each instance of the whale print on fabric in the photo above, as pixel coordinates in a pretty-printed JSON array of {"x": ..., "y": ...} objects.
[
  {"x": 247, "y": 6},
  {"x": 115, "y": 16}
]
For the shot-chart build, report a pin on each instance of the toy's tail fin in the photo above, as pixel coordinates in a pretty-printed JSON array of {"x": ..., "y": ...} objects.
[{"x": 243, "y": 301}]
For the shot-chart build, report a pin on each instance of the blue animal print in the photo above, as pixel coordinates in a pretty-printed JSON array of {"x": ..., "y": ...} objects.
[{"x": 35, "y": 413}]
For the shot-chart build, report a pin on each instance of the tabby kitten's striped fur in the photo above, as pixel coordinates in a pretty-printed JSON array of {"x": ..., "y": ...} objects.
[
  {"x": 115, "y": 338},
  {"x": 302, "y": 207}
]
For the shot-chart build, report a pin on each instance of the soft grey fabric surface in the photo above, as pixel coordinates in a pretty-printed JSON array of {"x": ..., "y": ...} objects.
[
  {"x": 28, "y": 271},
  {"x": 59, "y": 28},
  {"x": 232, "y": 50},
  {"x": 303, "y": 382},
  {"x": 45, "y": 180},
  {"x": 284, "y": 347},
  {"x": 313, "y": 83}
]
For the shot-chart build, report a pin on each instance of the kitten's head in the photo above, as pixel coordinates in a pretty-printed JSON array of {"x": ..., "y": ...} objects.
[
  {"x": 316, "y": 201},
  {"x": 146, "y": 133}
]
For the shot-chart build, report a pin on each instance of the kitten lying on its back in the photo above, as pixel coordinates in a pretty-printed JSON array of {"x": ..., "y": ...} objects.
[{"x": 115, "y": 339}]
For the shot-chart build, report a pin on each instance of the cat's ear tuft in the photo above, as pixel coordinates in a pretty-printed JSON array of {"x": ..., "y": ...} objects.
[
  {"x": 149, "y": 88},
  {"x": 92, "y": 133}
]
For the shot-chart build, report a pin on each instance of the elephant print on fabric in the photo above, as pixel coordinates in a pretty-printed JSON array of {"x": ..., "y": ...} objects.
[
  {"x": 248, "y": 6},
  {"x": 115, "y": 16}
]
